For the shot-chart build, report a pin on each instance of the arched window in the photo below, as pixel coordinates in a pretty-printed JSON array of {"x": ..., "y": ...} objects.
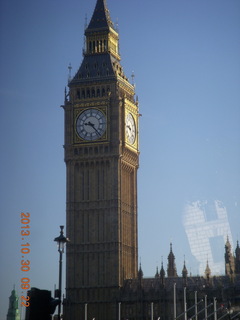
[
  {"x": 98, "y": 92},
  {"x": 103, "y": 92},
  {"x": 93, "y": 92}
]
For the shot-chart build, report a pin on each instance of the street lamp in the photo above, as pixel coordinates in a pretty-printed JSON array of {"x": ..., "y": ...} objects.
[{"x": 61, "y": 240}]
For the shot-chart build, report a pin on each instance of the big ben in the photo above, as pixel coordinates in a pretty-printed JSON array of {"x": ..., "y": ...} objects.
[{"x": 102, "y": 158}]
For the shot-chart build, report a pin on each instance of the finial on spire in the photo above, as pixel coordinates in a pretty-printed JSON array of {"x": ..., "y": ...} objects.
[
  {"x": 86, "y": 22},
  {"x": 69, "y": 72},
  {"x": 133, "y": 76},
  {"x": 117, "y": 26},
  {"x": 84, "y": 39}
]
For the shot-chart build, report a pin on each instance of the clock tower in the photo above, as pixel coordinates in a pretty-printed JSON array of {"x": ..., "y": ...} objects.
[{"x": 102, "y": 158}]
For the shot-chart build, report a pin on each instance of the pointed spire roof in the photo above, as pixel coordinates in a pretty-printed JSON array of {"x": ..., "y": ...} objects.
[
  {"x": 207, "y": 271},
  {"x": 140, "y": 272},
  {"x": 228, "y": 250},
  {"x": 228, "y": 244},
  {"x": 237, "y": 259},
  {"x": 229, "y": 259},
  {"x": 101, "y": 18},
  {"x": 162, "y": 271},
  {"x": 157, "y": 273},
  {"x": 172, "y": 270},
  {"x": 184, "y": 270}
]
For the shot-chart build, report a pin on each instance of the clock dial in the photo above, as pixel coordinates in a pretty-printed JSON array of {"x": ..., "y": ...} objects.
[
  {"x": 91, "y": 124},
  {"x": 130, "y": 129}
]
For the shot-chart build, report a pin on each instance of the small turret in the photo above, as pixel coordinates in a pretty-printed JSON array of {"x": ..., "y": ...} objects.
[
  {"x": 237, "y": 259},
  {"x": 140, "y": 272},
  {"x": 162, "y": 275},
  {"x": 184, "y": 273},
  {"x": 13, "y": 311},
  {"x": 140, "y": 276},
  {"x": 172, "y": 270},
  {"x": 184, "y": 270},
  {"x": 162, "y": 272},
  {"x": 207, "y": 272},
  {"x": 229, "y": 260}
]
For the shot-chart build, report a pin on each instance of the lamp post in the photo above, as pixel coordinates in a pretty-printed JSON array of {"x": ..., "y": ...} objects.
[{"x": 61, "y": 240}]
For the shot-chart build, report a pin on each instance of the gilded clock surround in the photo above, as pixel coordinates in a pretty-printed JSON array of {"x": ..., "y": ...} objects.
[
  {"x": 132, "y": 109},
  {"x": 78, "y": 112}
]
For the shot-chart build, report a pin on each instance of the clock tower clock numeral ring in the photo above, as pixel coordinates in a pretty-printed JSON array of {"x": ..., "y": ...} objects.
[
  {"x": 130, "y": 129},
  {"x": 91, "y": 124}
]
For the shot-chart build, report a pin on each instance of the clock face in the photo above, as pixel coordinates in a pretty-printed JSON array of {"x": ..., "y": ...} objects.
[
  {"x": 130, "y": 129},
  {"x": 91, "y": 124}
]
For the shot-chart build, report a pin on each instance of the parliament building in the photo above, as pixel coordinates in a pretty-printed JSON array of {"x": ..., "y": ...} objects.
[{"x": 103, "y": 277}]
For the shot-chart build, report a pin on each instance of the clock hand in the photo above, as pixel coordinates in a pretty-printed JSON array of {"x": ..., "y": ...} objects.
[
  {"x": 96, "y": 131},
  {"x": 89, "y": 124},
  {"x": 129, "y": 128},
  {"x": 93, "y": 126}
]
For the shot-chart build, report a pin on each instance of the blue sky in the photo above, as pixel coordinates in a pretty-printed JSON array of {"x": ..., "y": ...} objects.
[{"x": 185, "y": 56}]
